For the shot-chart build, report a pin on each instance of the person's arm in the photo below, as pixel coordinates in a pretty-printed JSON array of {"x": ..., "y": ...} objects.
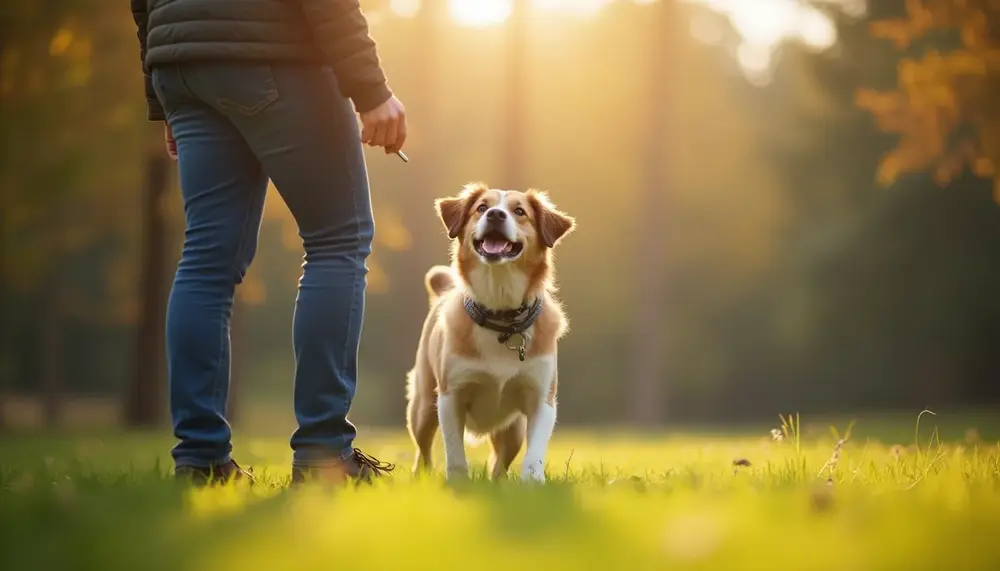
[
  {"x": 341, "y": 30},
  {"x": 154, "y": 112}
]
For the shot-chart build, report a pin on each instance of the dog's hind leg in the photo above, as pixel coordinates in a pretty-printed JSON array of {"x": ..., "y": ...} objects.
[
  {"x": 422, "y": 421},
  {"x": 506, "y": 443}
]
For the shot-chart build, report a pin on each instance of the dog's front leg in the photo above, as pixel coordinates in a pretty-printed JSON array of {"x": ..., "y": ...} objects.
[
  {"x": 541, "y": 423},
  {"x": 452, "y": 420}
]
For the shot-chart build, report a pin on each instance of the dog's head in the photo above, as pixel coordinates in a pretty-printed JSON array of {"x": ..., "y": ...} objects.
[{"x": 503, "y": 226}]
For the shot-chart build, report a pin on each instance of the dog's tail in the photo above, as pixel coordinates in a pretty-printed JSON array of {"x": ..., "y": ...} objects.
[{"x": 439, "y": 279}]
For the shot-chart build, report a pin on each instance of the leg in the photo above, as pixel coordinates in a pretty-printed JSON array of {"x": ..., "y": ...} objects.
[
  {"x": 541, "y": 423},
  {"x": 223, "y": 188},
  {"x": 306, "y": 136},
  {"x": 506, "y": 444},
  {"x": 422, "y": 422},
  {"x": 452, "y": 419}
]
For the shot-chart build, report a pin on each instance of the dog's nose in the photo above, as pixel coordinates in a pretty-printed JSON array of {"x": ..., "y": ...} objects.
[{"x": 495, "y": 214}]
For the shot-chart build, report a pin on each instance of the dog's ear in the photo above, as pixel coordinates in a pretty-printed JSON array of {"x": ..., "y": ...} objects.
[
  {"x": 552, "y": 224},
  {"x": 454, "y": 211}
]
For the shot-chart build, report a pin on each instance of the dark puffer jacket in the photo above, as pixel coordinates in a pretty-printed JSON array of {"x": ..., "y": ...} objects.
[{"x": 329, "y": 32}]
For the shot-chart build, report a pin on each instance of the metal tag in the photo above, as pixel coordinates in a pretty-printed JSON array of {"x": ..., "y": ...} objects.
[{"x": 515, "y": 341}]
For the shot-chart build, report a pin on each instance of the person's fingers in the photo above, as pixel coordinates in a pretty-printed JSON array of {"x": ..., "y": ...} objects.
[
  {"x": 171, "y": 144},
  {"x": 368, "y": 131},
  {"x": 397, "y": 142},
  {"x": 391, "y": 133},
  {"x": 378, "y": 138},
  {"x": 401, "y": 134}
]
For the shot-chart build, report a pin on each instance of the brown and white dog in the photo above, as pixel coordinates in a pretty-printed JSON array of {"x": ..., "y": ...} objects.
[{"x": 486, "y": 362}]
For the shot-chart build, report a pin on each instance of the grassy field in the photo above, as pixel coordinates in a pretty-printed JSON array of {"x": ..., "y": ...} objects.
[{"x": 886, "y": 498}]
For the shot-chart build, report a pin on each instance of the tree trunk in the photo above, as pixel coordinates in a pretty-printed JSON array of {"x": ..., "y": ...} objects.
[
  {"x": 646, "y": 400},
  {"x": 237, "y": 357},
  {"x": 50, "y": 352},
  {"x": 144, "y": 399},
  {"x": 514, "y": 140}
]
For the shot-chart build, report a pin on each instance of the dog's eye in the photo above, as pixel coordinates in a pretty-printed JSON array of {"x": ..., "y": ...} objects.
[
  {"x": 519, "y": 211},
  {"x": 482, "y": 208}
]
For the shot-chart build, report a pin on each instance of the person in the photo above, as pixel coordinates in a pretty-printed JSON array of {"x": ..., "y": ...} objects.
[{"x": 251, "y": 90}]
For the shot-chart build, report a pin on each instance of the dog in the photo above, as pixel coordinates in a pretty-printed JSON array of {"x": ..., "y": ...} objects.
[{"x": 486, "y": 360}]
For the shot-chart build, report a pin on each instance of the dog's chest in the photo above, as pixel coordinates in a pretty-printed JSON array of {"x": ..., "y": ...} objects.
[{"x": 497, "y": 384}]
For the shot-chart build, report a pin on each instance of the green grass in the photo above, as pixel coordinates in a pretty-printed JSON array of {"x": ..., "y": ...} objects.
[{"x": 613, "y": 501}]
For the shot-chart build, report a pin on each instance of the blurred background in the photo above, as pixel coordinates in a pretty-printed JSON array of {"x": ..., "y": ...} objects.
[{"x": 783, "y": 205}]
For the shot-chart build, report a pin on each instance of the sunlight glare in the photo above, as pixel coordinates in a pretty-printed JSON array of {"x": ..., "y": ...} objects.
[
  {"x": 706, "y": 29},
  {"x": 853, "y": 8},
  {"x": 573, "y": 7},
  {"x": 755, "y": 61},
  {"x": 479, "y": 13},
  {"x": 764, "y": 24},
  {"x": 816, "y": 30},
  {"x": 404, "y": 8}
]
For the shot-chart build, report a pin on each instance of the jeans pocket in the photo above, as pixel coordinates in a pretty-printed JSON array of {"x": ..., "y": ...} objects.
[{"x": 245, "y": 89}]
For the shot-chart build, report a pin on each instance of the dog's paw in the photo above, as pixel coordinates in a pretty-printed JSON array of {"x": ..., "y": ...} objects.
[{"x": 534, "y": 472}]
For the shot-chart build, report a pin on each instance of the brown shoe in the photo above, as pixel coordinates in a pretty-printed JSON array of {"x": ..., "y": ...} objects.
[
  {"x": 359, "y": 467},
  {"x": 210, "y": 475}
]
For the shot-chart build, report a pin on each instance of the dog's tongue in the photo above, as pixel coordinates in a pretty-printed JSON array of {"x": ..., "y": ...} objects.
[{"x": 494, "y": 245}]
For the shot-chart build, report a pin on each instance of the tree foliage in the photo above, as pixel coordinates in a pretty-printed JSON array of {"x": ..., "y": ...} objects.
[
  {"x": 945, "y": 105},
  {"x": 70, "y": 116}
]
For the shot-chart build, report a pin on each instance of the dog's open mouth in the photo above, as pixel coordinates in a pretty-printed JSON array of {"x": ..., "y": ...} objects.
[{"x": 494, "y": 246}]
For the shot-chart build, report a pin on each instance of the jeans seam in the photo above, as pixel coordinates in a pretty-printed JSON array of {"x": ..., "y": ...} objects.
[
  {"x": 240, "y": 250},
  {"x": 270, "y": 96},
  {"x": 354, "y": 290},
  {"x": 248, "y": 110},
  {"x": 183, "y": 82}
]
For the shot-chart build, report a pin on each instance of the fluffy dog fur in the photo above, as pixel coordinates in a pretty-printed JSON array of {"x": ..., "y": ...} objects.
[{"x": 465, "y": 381}]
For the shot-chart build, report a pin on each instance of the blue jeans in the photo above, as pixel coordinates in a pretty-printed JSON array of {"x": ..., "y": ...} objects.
[{"x": 236, "y": 125}]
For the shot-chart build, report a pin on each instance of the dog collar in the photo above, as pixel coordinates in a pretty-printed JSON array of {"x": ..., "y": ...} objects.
[{"x": 509, "y": 323}]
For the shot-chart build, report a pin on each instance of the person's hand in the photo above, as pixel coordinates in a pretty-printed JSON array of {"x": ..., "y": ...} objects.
[
  {"x": 385, "y": 126},
  {"x": 168, "y": 136}
]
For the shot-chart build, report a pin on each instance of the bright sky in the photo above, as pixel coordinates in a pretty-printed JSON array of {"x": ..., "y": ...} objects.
[{"x": 762, "y": 24}]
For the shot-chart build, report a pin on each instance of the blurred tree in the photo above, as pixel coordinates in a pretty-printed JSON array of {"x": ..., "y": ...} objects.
[
  {"x": 251, "y": 293},
  {"x": 238, "y": 355},
  {"x": 649, "y": 374},
  {"x": 518, "y": 45},
  {"x": 144, "y": 400},
  {"x": 66, "y": 193},
  {"x": 878, "y": 300},
  {"x": 945, "y": 105},
  {"x": 825, "y": 155}
]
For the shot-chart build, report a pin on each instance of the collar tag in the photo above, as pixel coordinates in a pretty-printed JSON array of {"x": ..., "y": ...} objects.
[
  {"x": 512, "y": 325},
  {"x": 515, "y": 342}
]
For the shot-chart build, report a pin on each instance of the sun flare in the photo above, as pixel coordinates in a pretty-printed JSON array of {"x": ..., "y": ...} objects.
[
  {"x": 479, "y": 13},
  {"x": 761, "y": 25}
]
